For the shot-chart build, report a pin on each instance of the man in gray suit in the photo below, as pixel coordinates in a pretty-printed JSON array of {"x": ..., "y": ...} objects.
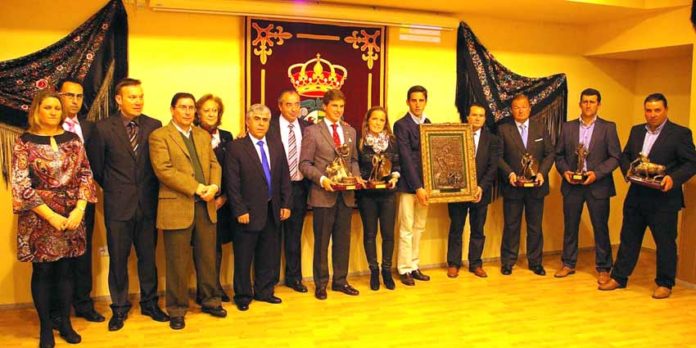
[
  {"x": 332, "y": 209},
  {"x": 601, "y": 141}
]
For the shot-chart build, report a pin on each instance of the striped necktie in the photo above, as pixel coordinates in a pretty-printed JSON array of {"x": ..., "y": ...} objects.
[
  {"x": 132, "y": 129},
  {"x": 292, "y": 153}
]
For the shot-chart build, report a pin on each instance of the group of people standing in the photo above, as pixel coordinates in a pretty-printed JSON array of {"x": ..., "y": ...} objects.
[{"x": 204, "y": 189}]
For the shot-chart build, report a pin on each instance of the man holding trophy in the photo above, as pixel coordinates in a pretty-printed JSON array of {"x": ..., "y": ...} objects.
[
  {"x": 330, "y": 160},
  {"x": 653, "y": 201},
  {"x": 525, "y": 163},
  {"x": 587, "y": 153}
]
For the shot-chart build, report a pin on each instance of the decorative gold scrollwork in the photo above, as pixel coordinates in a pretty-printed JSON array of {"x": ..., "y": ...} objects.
[
  {"x": 264, "y": 39},
  {"x": 365, "y": 42}
]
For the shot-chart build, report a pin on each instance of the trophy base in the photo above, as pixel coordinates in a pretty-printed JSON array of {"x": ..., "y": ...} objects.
[
  {"x": 378, "y": 185},
  {"x": 526, "y": 184},
  {"x": 650, "y": 183},
  {"x": 346, "y": 187},
  {"x": 578, "y": 178}
]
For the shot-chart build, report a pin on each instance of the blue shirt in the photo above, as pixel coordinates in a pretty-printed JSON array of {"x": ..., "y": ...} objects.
[{"x": 650, "y": 137}]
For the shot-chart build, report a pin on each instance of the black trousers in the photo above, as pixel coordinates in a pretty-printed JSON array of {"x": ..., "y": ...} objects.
[
  {"x": 140, "y": 232},
  {"x": 259, "y": 248},
  {"x": 533, "y": 209},
  {"x": 378, "y": 208},
  {"x": 663, "y": 226},
  {"x": 457, "y": 215},
  {"x": 599, "y": 216},
  {"x": 331, "y": 224},
  {"x": 51, "y": 290},
  {"x": 291, "y": 230}
]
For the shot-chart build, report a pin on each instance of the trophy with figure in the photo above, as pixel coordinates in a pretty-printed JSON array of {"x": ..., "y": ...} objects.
[
  {"x": 580, "y": 174},
  {"x": 339, "y": 172},
  {"x": 527, "y": 176},
  {"x": 645, "y": 173}
]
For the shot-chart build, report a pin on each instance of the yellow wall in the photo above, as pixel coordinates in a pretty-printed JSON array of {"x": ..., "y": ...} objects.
[{"x": 203, "y": 53}]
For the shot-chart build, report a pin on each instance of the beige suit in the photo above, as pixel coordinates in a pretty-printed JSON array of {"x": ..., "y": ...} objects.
[{"x": 183, "y": 216}]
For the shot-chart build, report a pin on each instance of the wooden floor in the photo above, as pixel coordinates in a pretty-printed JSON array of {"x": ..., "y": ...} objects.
[{"x": 522, "y": 310}]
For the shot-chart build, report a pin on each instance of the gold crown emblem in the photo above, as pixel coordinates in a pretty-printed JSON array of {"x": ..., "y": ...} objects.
[{"x": 314, "y": 82}]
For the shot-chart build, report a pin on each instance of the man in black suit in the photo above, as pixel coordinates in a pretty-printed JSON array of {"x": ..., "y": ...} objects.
[
  {"x": 487, "y": 150},
  {"x": 523, "y": 136},
  {"x": 288, "y": 129},
  {"x": 413, "y": 198},
  {"x": 601, "y": 143},
  {"x": 71, "y": 95},
  {"x": 672, "y": 146},
  {"x": 258, "y": 187},
  {"x": 121, "y": 164}
]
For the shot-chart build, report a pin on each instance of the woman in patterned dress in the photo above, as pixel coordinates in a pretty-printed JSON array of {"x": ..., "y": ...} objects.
[
  {"x": 51, "y": 185},
  {"x": 378, "y": 206}
]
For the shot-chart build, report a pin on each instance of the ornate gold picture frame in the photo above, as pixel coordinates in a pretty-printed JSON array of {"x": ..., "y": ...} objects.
[{"x": 449, "y": 162}]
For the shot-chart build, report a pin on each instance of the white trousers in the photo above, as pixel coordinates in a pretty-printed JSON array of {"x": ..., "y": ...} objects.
[{"x": 412, "y": 217}]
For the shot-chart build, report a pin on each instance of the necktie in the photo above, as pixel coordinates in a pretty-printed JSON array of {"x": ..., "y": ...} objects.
[
  {"x": 266, "y": 167},
  {"x": 71, "y": 125},
  {"x": 132, "y": 129},
  {"x": 523, "y": 133},
  {"x": 292, "y": 152},
  {"x": 336, "y": 139}
]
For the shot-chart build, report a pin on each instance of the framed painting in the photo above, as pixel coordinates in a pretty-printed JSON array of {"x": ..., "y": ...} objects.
[{"x": 449, "y": 162}]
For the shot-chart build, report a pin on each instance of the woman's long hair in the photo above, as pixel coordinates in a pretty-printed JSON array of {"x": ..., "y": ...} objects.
[{"x": 366, "y": 127}]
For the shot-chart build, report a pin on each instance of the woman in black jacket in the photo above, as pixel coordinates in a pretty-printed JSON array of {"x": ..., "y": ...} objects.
[{"x": 377, "y": 145}]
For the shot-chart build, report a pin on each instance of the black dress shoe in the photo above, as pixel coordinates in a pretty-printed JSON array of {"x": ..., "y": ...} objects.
[
  {"x": 90, "y": 315},
  {"x": 215, "y": 311},
  {"x": 116, "y": 321},
  {"x": 506, "y": 270},
  {"x": 320, "y": 293},
  {"x": 272, "y": 299},
  {"x": 297, "y": 286},
  {"x": 538, "y": 270},
  {"x": 346, "y": 289},
  {"x": 154, "y": 312},
  {"x": 242, "y": 306},
  {"x": 418, "y": 275},
  {"x": 406, "y": 279},
  {"x": 69, "y": 335},
  {"x": 177, "y": 323},
  {"x": 224, "y": 297},
  {"x": 388, "y": 280}
]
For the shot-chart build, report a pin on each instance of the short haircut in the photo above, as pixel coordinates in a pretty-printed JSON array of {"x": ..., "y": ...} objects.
[
  {"x": 257, "y": 109},
  {"x": 417, "y": 89},
  {"x": 33, "y": 113},
  {"x": 519, "y": 96},
  {"x": 202, "y": 100},
  {"x": 285, "y": 92},
  {"x": 656, "y": 97},
  {"x": 331, "y": 95},
  {"x": 125, "y": 83},
  {"x": 182, "y": 95},
  {"x": 478, "y": 106},
  {"x": 588, "y": 92},
  {"x": 62, "y": 81}
]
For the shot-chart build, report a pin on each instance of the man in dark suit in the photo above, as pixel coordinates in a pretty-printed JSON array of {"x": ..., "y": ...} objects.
[
  {"x": 189, "y": 176},
  {"x": 332, "y": 209},
  {"x": 672, "y": 146},
  {"x": 601, "y": 142},
  {"x": 120, "y": 161},
  {"x": 520, "y": 137},
  {"x": 257, "y": 181},
  {"x": 288, "y": 129},
  {"x": 71, "y": 95},
  {"x": 487, "y": 149},
  {"x": 413, "y": 198}
]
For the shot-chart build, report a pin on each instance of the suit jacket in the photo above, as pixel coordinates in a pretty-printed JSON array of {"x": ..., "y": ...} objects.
[
  {"x": 487, "y": 157},
  {"x": 224, "y": 224},
  {"x": 171, "y": 162},
  {"x": 126, "y": 177},
  {"x": 245, "y": 182},
  {"x": 317, "y": 152},
  {"x": 538, "y": 145},
  {"x": 603, "y": 156},
  {"x": 407, "y": 134},
  {"x": 674, "y": 148}
]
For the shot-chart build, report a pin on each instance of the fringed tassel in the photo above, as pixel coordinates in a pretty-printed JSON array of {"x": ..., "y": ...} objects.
[
  {"x": 553, "y": 116},
  {"x": 100, "y": 106},
  {"x": 8, "y": 136}
]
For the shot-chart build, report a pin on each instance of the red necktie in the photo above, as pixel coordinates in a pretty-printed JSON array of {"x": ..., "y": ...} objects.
[{"x": 336, "y": 139}]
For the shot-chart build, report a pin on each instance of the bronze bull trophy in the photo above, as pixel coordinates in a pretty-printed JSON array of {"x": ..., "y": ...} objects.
[{"x": 645, "y": 173}]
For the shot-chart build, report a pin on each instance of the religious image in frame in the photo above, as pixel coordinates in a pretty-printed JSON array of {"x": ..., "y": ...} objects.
[{"x": 449, "y": 162}]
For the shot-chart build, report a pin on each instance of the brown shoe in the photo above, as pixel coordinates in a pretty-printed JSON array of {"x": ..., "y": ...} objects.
[
  {"x": 603, "y": 277},
  {"x": 610, "y": 285},
  {"x": 661, "y": 292},
  {"x": 406, "y": 279},
  {"x": 452, "y": 272},
  {"x": 479, "y": 272},
  {"x": 564, "y": 272}
]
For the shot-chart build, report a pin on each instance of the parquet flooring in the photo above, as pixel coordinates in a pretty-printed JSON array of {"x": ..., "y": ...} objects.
[{"x": 522, "y": 310}]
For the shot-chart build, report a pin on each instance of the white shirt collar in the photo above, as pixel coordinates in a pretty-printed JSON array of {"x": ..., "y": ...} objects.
[
  {"x": 187, "y": 133},
  {"x": 418, "y": 120}
]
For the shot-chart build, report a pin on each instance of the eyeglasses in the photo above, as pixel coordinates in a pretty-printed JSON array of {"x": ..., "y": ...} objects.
[{"x": 186, "y": 108}]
